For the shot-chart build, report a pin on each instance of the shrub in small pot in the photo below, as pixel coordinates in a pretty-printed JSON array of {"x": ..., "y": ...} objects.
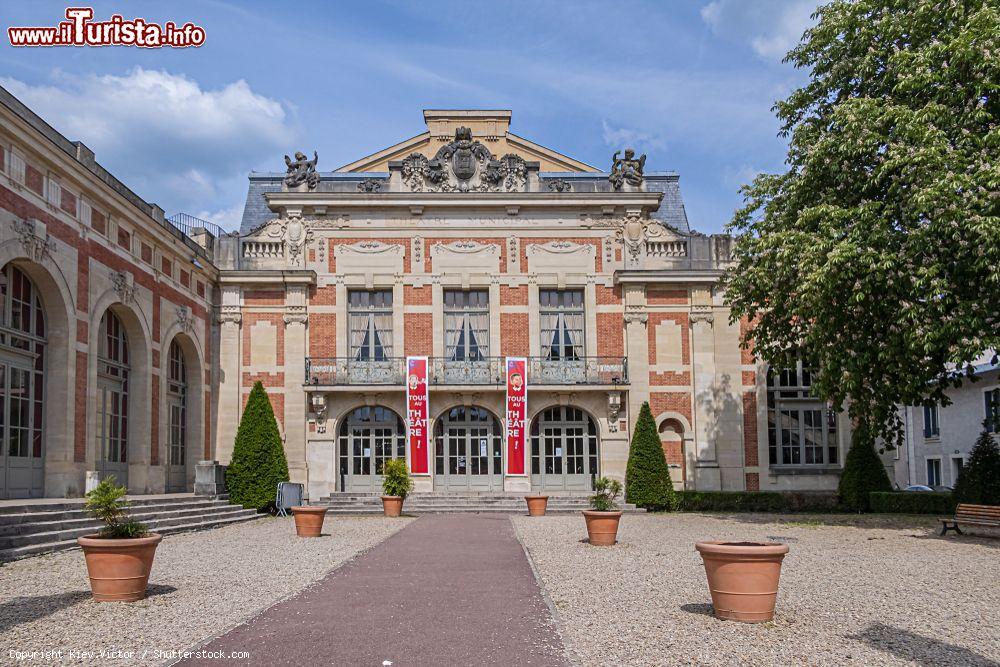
[
  {"x": 396, "y": 485},
  {"x": 603, "y": 516},
  {"x": 120, "y": 556}
]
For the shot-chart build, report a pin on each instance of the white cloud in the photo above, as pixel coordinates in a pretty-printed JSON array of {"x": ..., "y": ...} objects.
[
  {"x": 736, "y": 176},
  {"x": 227, "y": 218},
  {"x": 770, "y": 27},
  {"x": 165, "y": 136},
  {"x": 622, "y": 137}
]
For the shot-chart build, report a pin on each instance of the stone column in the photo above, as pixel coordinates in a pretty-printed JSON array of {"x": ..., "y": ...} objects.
[
  {"x": 230, "y": 405},
  {"x": 296, "y": 408},
  {"x": 636, "y": 323},
  {"x": 707, "y": 476}
]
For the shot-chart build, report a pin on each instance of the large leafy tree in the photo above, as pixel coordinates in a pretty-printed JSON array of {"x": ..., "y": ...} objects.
[{"x": 876, "y": 255}]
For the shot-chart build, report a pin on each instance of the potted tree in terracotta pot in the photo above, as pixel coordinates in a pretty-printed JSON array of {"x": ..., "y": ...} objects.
[
  {"x": 396, "y": 485},
  {"x": 536, "y": 504},
  {"x": 743, "y": 578},
  {"x": 603, "y": 515},
  {"x": 120, "y": 556}
]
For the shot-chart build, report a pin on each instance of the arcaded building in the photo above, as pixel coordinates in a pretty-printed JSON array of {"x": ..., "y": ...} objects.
[
  {"x": 106, "y": 325},
  {"x": 131, "y": 342}
]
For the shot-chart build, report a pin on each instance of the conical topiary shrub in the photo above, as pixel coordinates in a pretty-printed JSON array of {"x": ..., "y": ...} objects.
[
  {"x": 258, "y": 457},
  {"x": 647, "y": 476},
  {"x": 979, "y": 480},
  {"x": 863, "y": 473}
]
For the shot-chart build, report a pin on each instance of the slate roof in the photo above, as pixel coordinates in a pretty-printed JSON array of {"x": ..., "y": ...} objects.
[{"x": 671, "y": 211}]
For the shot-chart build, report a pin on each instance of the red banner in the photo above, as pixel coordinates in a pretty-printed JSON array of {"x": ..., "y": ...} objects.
[
  {"x": 417, "y": 414},
  {"x": 517, "y": 413}
]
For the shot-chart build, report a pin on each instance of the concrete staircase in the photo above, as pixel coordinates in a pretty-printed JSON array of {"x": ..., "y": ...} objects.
[
  {"x": 430, "y": 503},
  {"x": 31, "y": 528}
]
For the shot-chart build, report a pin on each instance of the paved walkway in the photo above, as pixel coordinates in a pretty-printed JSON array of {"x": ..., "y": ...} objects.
[{"x": 446, "y": 590}]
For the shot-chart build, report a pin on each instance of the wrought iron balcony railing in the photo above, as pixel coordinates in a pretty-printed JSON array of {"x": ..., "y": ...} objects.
[
  {"x": 339, "y": 371},
  {"x": 581, "y": 370}
]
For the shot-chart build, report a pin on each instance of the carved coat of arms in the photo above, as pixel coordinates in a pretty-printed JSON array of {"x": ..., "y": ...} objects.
[{"x": 464, "y": 165}]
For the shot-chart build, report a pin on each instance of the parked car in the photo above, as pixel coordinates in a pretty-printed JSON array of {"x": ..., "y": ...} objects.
[{"x": 918, "y": 487}]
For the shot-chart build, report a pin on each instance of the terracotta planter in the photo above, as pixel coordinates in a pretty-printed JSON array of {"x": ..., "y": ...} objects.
[
  {"x": 309, "y": 520},
  {"x": 602, "y": 527},
  {"x": 119, "y": 568},
  {"x": 536, "y": 505},
  {"x": 743, "y": 578},
  {"x": 392, "y": 505}
]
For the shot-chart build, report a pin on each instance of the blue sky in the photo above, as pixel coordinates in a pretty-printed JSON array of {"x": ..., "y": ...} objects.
[{"x": 689, "y": 82}]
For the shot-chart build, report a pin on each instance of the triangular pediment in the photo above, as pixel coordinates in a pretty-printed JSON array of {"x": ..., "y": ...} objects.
[{"x": 491, "y": 127}]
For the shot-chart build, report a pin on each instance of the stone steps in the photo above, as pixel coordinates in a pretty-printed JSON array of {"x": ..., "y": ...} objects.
[
  {"x": 355, "y": 503},
  {"x": 32, "y": 530}
]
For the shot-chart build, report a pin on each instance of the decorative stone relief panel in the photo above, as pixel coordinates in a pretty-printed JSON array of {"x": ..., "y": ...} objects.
[
  {"x": 669, "y": 350},
  {"x": 263, "y": 344},
  {"x": 465, "y": 257},
  {"x": 561, "y": 256},
  {"x": 369, "y": 257}
]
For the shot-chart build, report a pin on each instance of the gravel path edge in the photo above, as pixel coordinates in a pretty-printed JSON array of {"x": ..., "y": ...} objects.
[
  {"x": 197, "y": 646},
  {"x": 571, "y": 654}
]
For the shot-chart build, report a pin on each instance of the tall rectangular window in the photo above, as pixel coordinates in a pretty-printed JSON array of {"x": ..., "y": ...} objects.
[
  {"x": 991, "y": 409},
  {"x": 15, "y": 167},
  {"x": 931, "y": 427},
  {"x": 369, "y": 317},
  {"x": 561, "y": 318},
  {"x": 801, "y": 429},
  {"x": 933, "y": 472},
  {"x": 466, "y": 325}
]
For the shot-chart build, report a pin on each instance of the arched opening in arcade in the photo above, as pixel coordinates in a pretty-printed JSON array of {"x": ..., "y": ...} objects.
[
  {"x": 564, "y": 450},
  {"x": 23, "y": 341},
  {"x": 113, "y": 409},
  {"x": 368, "y": 436},
  {"x": 468, "y": 450}
]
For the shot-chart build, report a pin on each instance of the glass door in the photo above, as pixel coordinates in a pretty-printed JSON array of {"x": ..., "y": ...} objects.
[
  {"x": 177, "y": 446},
  {"x": 112, "y": 430}
]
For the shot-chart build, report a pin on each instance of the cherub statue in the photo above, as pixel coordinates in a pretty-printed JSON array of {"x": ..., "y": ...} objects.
[
  {"x": 626, "y": 169},
  {"x": 301, "y": 170}
]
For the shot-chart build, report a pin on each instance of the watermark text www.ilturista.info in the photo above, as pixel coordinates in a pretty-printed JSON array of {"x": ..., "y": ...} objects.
[{"x": 81, "y": 30}]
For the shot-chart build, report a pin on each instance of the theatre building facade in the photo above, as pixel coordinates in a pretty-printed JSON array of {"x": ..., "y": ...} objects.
[{"x": 129, "y": 343}]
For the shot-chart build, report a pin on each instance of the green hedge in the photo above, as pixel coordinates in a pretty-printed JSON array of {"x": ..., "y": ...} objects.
[
  {"x": 912, "y": 502},
  {"x": 756, "y": 501},
  {"x": 889, "y": 502}
]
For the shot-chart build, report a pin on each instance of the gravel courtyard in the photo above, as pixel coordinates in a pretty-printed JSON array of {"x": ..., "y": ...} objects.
[
  {"x": 889, "y": 592},
  {"x": 202, "y": 584}
]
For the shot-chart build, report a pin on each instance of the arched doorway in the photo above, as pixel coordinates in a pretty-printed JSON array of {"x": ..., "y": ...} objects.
[
  {"x": 22, "y": 386},
  {"x": 369, "y": 436},
  {"x": 672, "y": 434},
  {"x": 468, "y": 450},
  {"x": 563, "y": 449},
  {"x": 112, "y": 399},
  {"x": 177, "y": 441}
]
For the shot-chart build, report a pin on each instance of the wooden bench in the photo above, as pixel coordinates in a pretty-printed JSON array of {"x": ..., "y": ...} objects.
[{"x": 972, "y": 515}]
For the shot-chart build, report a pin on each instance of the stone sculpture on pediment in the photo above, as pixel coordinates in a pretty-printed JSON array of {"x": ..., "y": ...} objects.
[
  {"x": 464, "y": 165},
  {"x": 301, "y": 170},
  {"x": 627, "y": 169}
]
